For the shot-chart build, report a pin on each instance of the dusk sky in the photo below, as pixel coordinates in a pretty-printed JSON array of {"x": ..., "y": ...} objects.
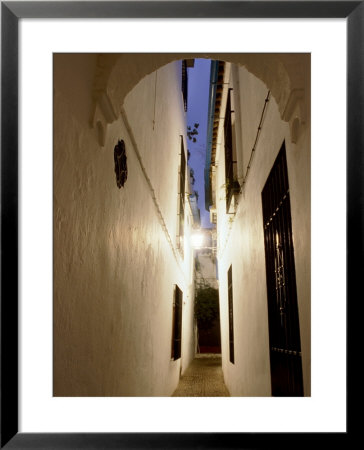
[{"x": 198, "y": 92}]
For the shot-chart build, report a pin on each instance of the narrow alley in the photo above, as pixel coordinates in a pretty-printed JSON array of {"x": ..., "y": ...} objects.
[
  {"x": 181, "y": 225},
  {"x": 203, "y": 378}
]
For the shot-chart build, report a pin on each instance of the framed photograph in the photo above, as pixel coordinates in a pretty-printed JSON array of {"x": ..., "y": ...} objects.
[{"x": 118, "y": 279}]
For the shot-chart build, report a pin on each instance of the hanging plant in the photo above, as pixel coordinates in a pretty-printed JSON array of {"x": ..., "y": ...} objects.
[{"x": 192, "y": 132}]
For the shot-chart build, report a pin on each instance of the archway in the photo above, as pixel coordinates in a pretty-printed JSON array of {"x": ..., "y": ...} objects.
[{"x": 285, "y": 75}]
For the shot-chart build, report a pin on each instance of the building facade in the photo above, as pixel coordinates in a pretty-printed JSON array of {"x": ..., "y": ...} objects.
[
  {"x": 123, "y": 269},
  {"x": 258, "y": 192}
]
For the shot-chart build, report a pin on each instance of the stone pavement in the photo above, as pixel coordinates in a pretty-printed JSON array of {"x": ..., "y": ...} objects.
[{"x": 203, "y": 378}]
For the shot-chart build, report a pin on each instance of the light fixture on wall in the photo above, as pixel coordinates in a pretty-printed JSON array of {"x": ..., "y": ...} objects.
[{"x": 197, "y": 240}]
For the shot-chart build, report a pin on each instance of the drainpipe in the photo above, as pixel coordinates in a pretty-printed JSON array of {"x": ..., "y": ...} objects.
[{"x": 211, "y": 112}]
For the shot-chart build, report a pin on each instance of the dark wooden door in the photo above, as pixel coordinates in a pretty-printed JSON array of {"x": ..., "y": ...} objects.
[{"x": 284, "y": 330}]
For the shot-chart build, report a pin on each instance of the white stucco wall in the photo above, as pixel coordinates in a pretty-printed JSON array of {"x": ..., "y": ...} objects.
[
  {"x": 241, "y": 238},
  {"x": 206, "y": 272},
  {"x": 113, "y": 320},
  {"x": 115, "y": 265}
]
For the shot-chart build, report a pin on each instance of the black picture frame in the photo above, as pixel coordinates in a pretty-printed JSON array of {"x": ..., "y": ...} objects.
[{"x": 11, "y": 12}]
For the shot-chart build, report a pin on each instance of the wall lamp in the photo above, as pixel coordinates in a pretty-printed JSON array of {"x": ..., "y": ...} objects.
[{"x": 197, "y": 240}]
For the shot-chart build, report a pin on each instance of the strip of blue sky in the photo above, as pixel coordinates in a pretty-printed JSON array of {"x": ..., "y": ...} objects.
[{"x": 198, "y": 94}]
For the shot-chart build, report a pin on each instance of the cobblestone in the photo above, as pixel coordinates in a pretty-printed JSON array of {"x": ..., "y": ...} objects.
[{"x": 203, "y": 378}]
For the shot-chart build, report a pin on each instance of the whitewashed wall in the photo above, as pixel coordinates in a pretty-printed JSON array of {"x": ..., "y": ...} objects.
[
  {"x": 115, "y": 262},
  {"x": 206, "y": 272},
  {"x": 241, "y": 237}
]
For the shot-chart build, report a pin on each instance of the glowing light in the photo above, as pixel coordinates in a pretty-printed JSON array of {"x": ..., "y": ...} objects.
[{"x": 197, "y": 240}]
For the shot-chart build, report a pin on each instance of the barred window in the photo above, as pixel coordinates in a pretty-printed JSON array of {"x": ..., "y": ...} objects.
[
  {"x": 231, "y": 315},
  {"x": 181, "y": 199},
  {"x": 184, "y": 83},
  {"x": 230, "y": 183},
  {"x": 177, "y": 323}
]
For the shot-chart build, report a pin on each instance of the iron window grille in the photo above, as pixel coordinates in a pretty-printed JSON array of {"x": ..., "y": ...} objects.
[
  {"x": 177, "y": 323},
  {"x": 231, "y": 316},
  {"x": 184, "y": 84},
  {"x": 284, "y": 330},
  {"x": 231, "y": 185},
  {"x": 181, "y": 195}
]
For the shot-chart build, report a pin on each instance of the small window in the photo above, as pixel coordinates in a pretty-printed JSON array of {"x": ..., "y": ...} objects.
[
  {"x": 184, "y": 83},
  {"x": 213, "y": 217},
  {"x": 231, "y": 185},
  {"x": 181, "y": 199},
  {"x": 177, "y": 323},
  {"x": 231, "y": 315}
]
